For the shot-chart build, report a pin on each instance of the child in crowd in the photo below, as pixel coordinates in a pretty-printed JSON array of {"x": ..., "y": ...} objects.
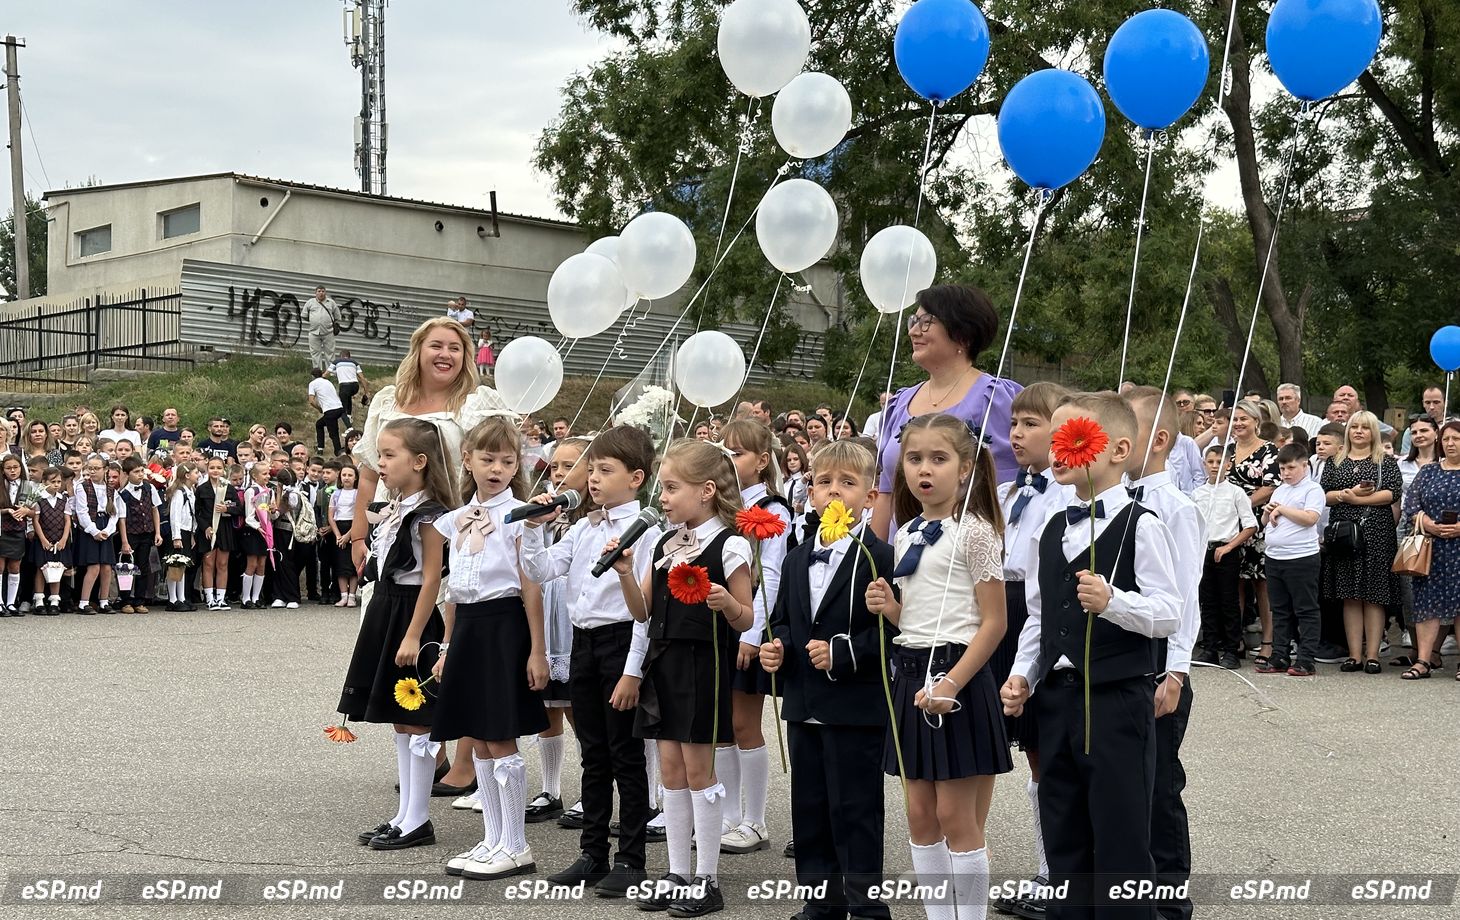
[
  {"x": 1230, "y": 523},
  {"x": 402, "y": 619},
  {"x": 217, "y": 504},
  {"x": 1099, "y": 801},
  {"x": 15, "y": 511},
  {"x": 284, "y": 503},
  {"x": 1027, "y": 503},
  {"x": 140, "y": 530},
  {"x": 744, "y": 767},
  {"x": 832, "y": 697},
  {"x": 52, "y": 523},
  {"x": 486, "y": 358},
  {"x": 341, "y": 515},
  {"x": 489, "y": 687},
  {"x": 700, "y": 575},
  {"x": 97, "y": 513},
  {"x": 328, "y": 545},
  {"x": 1293, "y": 564},
  {"x": 258, "y": 504},
  {"x": 181, "y": 505},
  {"x": 949, "y": 729}
]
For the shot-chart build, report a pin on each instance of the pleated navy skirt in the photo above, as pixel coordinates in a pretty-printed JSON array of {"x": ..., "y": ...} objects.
[
  {"x": 677, "y": 697},
  {"x": 39, "y": 555},
  {"x": 754, "y": 679},
  {"x": 91, "y": 551},
  {"x": 1023, "y": 730},
  {"x": 484, "y": 691},
  {"x": 369, "y": 692},
  {"x": 971, "y": 740}
]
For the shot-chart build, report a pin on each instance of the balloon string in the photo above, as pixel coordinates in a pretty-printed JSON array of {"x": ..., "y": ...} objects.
[
  {"x": 1130, "y": 305},
  {"x": 871, "y": 345},
  {"x": 750, "y": 365}
]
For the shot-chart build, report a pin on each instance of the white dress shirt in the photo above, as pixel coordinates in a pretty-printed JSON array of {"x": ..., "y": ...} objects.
[
  {"x": 492, "y": 571},
  {"x": 1021, "y": 540},
  {"x": 1225, "y": 508},
  {"x": 594, "y": 602},
  {"x": 1188, "y": 550},
  {"x": 83, "y": 508},
  {"x": 385, "y": 536},
  {"x": 1185, "y": 465},
  {"x": 180, "y": 512},
  {"x": 1154, "y": 612},
  {"x": 126, "y": 434},
  {"x": 819, "y": 576},
  {"x": 342, "y": 504},
  {"x": 772, "y": 557},
  {"x": 1307, "y": 422},
  {"x": 939, "y": 603}
]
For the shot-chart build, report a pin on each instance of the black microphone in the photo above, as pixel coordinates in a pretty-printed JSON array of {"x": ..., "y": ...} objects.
[
  {"x": 642, "y": 522},
  {"x": 567, "y": 500}
]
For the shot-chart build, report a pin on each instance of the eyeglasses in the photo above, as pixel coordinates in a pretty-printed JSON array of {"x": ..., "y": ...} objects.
[
  {"x": 919, "y": 322},
  {"x": 1207, "y": 411}
]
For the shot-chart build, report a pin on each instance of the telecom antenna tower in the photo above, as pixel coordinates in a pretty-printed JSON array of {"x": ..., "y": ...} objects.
[{"x": 365, "y": 37}]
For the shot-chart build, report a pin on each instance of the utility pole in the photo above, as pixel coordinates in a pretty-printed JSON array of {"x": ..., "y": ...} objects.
[
  {"x": 17, "y": 177},
  {"x": 365, "y": 37}
]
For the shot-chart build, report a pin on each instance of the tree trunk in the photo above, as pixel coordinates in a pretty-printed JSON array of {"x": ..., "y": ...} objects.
[
  {"x": 1285, "y": 324},
  {"x": 1224, "y": 305}
]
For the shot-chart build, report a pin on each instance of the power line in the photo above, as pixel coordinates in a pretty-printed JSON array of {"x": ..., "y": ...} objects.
[{"x": 31, "y": 128}]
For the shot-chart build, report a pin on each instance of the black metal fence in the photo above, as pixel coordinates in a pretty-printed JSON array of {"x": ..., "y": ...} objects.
[{"x": 54, "y": 348}]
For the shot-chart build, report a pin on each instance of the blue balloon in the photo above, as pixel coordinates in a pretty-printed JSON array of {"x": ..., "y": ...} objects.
[
  {"x": 1051, "y": 127},
  {"x": 1445, "y": 348},
  {"x": 941, "y": 47},
  {"x": 1317, "y": 47},
  {"x": 1156, "y": 67}
]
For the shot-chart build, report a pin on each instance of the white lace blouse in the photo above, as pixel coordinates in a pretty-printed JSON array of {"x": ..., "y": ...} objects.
[
  {"x": 452, "y": 425},
  {"x": 977, "y": 554}
]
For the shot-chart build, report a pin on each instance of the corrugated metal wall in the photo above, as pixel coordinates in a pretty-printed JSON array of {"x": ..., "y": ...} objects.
[{"x": 241, "y": 309}]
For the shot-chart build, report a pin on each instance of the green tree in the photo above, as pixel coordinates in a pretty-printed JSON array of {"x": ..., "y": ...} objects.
[{"x": 35, "y": 228}]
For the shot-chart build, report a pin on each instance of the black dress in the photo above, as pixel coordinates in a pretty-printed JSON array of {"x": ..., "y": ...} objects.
[
  {"x": 1366, "y": 576},
  {"x": 1258, "y": 470},
  {"x": 487, "y": 697}
]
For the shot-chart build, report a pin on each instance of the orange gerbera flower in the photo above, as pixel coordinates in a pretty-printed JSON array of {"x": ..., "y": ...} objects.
[
  {"x": 759, "y": 523},
  {"x": 339, "y": 734},
  {"x": 689, "y": 584},
  {"x": 1078, "y": 442}
]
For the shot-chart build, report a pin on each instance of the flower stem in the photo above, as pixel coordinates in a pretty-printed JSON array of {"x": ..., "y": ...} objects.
[
  {"x": 766, "y": 629},
  {"x": 715, "y": 718},
  {"x": 887, "y": 681},
  {"x": 1089, "y": 617}
]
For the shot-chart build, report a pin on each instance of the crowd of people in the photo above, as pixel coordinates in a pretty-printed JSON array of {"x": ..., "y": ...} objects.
[{"x": 793, "y": 547}]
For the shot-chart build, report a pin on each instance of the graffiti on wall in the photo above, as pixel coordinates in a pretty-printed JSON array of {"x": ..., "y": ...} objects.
[{"x": 270, "y": 319}]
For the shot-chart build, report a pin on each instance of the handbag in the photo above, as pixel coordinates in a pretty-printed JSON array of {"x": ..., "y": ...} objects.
[
  {"x": 1413, "y": 557},
  {"x": 1344, "y": 538}
]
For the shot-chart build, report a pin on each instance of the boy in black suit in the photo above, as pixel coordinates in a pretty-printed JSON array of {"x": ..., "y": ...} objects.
[{"x": 824, "y": 655}]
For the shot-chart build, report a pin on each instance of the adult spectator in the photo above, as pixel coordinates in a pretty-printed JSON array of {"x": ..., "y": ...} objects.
[
  {"x": 36, "y": 441},
  {"x": 1290, "y": 408},
  {"x": 121, "y": 429},
  {"x": 322, "y": 319},
  {"x": 459, "y": 310},
  {"x": 323, "y": 397},
  {"x": 1431, "y": 501},
  {"x": 1433, "y": 400},
  {"x": 873, "y": 425},
  {"x": 1254, "y": 469},
  {"x": 760, "y": 410},
  {"x": 562, "y": 428},
  {"x": 1184, "y": 400},
  {"x": 70, "y": 431},
  {"x": 796, "y": 417},
  {"x": 351, "y": 377},
  {"x": 16, "y": 415},
  {"x": 702, "y": 431},
  {"x": 143, "y": 426},
  {"x": 167, "y": 435},
  {"x": 1361, "y": 486},
  {"x": 817, "y": 431},
  {"x": 952, "y": 325},
  {"x": 1350, "y": 398},
  {"x": 845, "y": 428},
  {"x": 218, "y": 444},
  {"x": 1337, "y": 412}
]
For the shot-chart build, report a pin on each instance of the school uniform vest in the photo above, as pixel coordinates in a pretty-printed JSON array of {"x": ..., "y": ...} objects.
[
  {"x": 672, "y": 619},
  {"x": 1115, "y": 653},
  {"x": 402, "y": 554},
  {"x": 768, "y": 502},
  {"x": 100, "y": 517},
  {"x": 51, "y": 520},
  {"x": 9, "y": 524},
  {"x": 139, "y": 510}
]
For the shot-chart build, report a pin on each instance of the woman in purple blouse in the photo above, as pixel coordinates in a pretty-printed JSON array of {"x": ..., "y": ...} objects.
[{"x": 952, "y": 325}]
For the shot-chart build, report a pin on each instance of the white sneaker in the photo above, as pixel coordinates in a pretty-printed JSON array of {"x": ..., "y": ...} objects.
[
  {"x": 476, "y": 805},
  {"x": 464, "y": 802},
  {"x": 482, "y": 852},
  {"x": 278, "y": 602},
  {"x": 352, "y": 600},
  {"x": 501, "y": 864},
  {"x": 292, "y": 605},
  {"x": 1448, "y": 647},
  {"x": 659, "y": 820},
  {"x": 747, "y": 838}
]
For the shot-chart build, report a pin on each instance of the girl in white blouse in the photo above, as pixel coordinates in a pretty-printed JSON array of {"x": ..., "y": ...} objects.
[{"x": 949, "y": 722}]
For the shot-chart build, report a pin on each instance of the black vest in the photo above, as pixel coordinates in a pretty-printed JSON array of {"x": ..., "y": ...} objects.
[
  {"x": 100, "y": 516},
  {"x": 51, "y": 520},
  {"x": 401, "y": 557},
  {"x": 671, "y": 619},
  {"x": 10, "y": 524},
  {"x": 769, "y": 502},
  {"x": 1115, "y": 653},
  {"x": 139, "y": 510}
]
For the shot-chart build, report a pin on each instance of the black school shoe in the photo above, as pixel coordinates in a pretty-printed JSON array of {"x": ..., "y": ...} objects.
[
  {"x": 393, "y": 839},
  {"x": 706, "y": 899},
  {"x": 543, "y": 808},
  {"x": 790, "y": 851},
  {"x": 365, "y": 836},
  {"x": 660, "y": 896},
  {"x": 572, "y": 820},
  {"x": 619, "y": 880},
  {"x": 586, "y": 869}
]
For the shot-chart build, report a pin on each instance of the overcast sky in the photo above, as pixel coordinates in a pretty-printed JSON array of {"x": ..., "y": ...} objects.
[{"x": 147, "y": 89}]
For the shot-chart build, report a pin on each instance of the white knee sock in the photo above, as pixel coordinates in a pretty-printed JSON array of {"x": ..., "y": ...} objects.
[
  {"x": 418, "y": 806},
  {"x": 971, "y": 883},
  {"x": 551, "y": 750},
  {"x": 258, "y": 586},
  {"x": 755, "y": 777},
  {"x": 651, "y": 767},
  {"x": 1033, "y": 789},
  {"x": 727, "y": 774},
  {"x": 403, "y": 773},
  {"x": 933, "y": 867},
  {"x": 511, "y": 787},
  {"x": 245, "y": 589},
  {"x": 12, "y": 588},
  {"x": 707, "y": 815},
  {"x": 491, "y": 804},
  {"x": 679, "y": 827}
]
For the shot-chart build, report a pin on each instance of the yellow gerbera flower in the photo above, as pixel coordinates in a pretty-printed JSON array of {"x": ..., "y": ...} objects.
[
  {"x": 836, "y": 522},
  {"x": 408, "y": 693}
]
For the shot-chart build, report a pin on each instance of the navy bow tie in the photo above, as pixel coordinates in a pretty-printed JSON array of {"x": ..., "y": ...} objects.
[
  {"x": 1136, "y": 493},
  {"x": 821, "y": 555},
  {"x": 1026, "y": 478},
  {"x": 1074, "y": 514},
  {"x": 924, "y": 534}
]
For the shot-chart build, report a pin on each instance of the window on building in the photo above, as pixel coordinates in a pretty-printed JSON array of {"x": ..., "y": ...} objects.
[
  {"x": 180, "y": 222},
  {"x": 94, "y": 241}
]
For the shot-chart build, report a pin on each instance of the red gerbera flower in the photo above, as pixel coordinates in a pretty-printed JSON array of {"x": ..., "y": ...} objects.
[
  {"x": 1078, "y": 442},
  {"x": 759, "y": 523},
  {"x": 689, "y": 584}
]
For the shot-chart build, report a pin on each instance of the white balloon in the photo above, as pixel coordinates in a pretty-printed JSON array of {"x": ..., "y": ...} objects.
[
  {"x": 709, "y": 368},
  {"x": 811, "y": 115},
  {"x": 897, "y": 264},
  {"x": 656, "y": 255},
  {"x": 606, "y": 246},
  {"x": 585, "y": 295},
  {"x": 529, "y": 373},
  {"x": 796, "y": 225},
  {"x": 763, "y": 44}
]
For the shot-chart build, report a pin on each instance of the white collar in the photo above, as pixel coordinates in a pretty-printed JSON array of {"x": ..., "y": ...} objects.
[
  {"x": 1113, "y": 500},
  {"x": 496, "y": 501},
  {"x": 753, "y": 493},
  {"x": 1153, "y": 480},
  {"x": 621, "y": 512},
  {"x": 410, "y": 501},
  {"x": 709, "y": 529}
]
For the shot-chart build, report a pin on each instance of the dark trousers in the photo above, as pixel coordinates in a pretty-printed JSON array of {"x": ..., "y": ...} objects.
[
  {"x": 347, "y": 398},
  {"x": 285, "y": 568},
  {"x": 1097, "y": 805},
  {"x": 1170, "y": 832},
  {"x": 1221, "y": 618},
  {"x": 141, "y": 556},
  {"x": 836, "y": 816},
  {"x": 306, "y": 559},
  {"x": 329, "y": 421},
  {"x": 1292, "y": 590},
  {"x": 611, "y": 753},
  {"x": 327, "y": 549}
]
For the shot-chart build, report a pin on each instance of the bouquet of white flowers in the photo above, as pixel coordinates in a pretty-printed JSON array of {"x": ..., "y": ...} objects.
[
  {"x": 653, "y": 411},
  {"x": 178, "y": 561}
]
